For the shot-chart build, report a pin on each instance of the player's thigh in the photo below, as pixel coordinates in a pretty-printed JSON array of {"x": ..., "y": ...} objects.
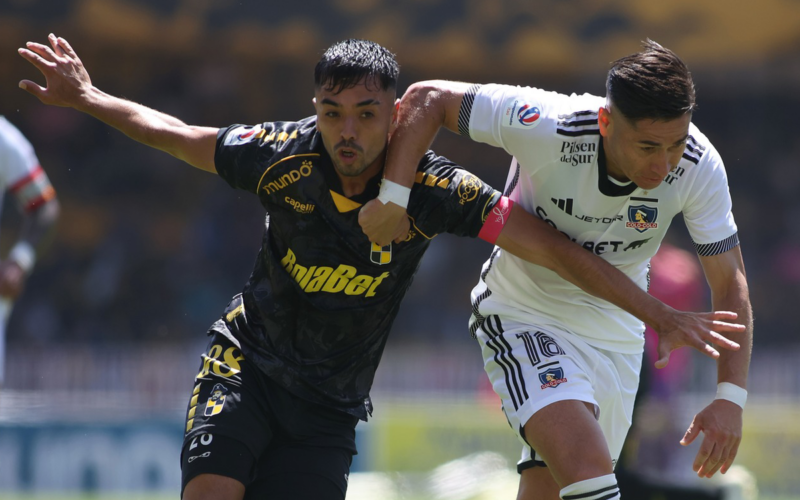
[
  {"x": 569, "y": 439},
  {"x": 213, "y": 487},
  {"x": 297, "y": 471},
  {"x": 215, "y": 465},
  {"x": 228, "y": 422}
]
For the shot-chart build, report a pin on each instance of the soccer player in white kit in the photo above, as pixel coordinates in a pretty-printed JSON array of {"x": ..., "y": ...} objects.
[
  {"x": 610, "y": 173},
  {"x": 24, "y": 178}
]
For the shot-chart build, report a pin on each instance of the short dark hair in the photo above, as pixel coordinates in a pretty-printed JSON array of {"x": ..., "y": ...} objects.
[
  {"x": 653, "y": 83},
  {"x": 347, "y": 63}
]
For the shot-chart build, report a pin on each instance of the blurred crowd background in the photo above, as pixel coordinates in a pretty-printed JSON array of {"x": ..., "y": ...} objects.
[{"x": 149, "y": 251}]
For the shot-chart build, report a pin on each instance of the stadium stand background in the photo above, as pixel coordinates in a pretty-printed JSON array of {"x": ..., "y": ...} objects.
[{"x": 149, "y": 251}]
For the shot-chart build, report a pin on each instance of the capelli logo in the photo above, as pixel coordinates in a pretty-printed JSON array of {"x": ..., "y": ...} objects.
[{"x": 303, "y": 208}]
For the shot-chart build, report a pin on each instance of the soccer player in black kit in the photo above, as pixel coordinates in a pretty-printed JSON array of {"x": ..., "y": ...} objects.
[{"x": 287, "y": 373}]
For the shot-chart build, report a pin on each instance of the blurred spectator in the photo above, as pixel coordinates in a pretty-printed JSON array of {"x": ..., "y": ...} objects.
[{"x": 23, "y": 177}]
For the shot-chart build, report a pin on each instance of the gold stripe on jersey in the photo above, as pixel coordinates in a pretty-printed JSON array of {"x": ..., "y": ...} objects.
[
  {"x": 431, "y": 180},
  {"x": 236, "y": 312},
  {"x": 486, "y": 209},
  {"x": 281, "y": 137},
  {"x": 414, "y": 223},
  {"x": 258, "y": 186},
  {"x": 344, "y": 204}
]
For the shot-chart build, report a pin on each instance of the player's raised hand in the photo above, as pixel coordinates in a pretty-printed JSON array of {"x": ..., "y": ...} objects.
[
  {"x": 67, "y": 81},
  {"x": 697, "y": 330},
  {"x": 721, "y": 425},
  {"x": 383, "y": 223}
]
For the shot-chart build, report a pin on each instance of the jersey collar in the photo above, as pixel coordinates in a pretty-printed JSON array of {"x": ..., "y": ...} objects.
[{"x": 604, "y": 184}]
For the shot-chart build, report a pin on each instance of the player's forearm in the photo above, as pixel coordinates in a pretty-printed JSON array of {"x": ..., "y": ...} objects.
[
  {"x": 530, "y": 238},
  {"x": 142, "y": 124},
  {"x": 599, "y": 278},
  {"x": 733, "y": 366},
  {"x": 422, "y": 112}
]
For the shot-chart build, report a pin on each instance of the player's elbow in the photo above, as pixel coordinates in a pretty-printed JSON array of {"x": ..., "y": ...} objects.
[{"x": 426, "y": 95}]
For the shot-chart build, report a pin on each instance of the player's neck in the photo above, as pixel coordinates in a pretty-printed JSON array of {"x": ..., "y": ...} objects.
[
  {"x": 355, "y": 185},
  {"x": 612, "y": 167}
]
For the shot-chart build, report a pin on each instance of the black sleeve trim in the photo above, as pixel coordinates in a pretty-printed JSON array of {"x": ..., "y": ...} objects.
[
  {"x": 466, "y": 109},
  {"x": 717, "y": 248}
]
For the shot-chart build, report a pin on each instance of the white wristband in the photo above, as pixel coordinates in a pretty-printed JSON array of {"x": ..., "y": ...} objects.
[
  {"x": 397, "y": 194},
  {"x": 24, "y": 255},
  {"x": 732, "y": 393}
]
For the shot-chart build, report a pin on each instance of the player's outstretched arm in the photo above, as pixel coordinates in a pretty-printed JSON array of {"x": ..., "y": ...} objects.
[
  {"x": 68, "y": 84},
  {"x": 530, "y": 238},
  {"x": 423, "y": 110},
  {"x": 721, "y": 421}
]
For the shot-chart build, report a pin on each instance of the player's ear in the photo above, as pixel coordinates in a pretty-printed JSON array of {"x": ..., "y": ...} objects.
[
  {"x": 396, "y": 112},
  {"x": 604, "y": 120}
]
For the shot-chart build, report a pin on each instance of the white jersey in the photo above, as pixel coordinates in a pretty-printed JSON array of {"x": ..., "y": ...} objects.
[
  {"x": 559, "y": 174},
  {"x": 21, "y": 174},
  {"x": 20, "y": 171}
]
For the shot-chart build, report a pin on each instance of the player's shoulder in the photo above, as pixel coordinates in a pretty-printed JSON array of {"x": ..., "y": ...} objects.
[
  {"x": 440, "y": 176},
  {"x": 527, "y": 108},
  {"x": 282, "y": 138},
  {"x": 699, "y": 150},
  {"x": 11, "y": 137}
]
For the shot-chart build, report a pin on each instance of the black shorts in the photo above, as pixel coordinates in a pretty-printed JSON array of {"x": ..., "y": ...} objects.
[{"x": 241, "y": 424}]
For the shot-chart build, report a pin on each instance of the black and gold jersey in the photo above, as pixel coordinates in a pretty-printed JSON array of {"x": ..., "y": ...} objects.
[{"x": 317, "y": 309}]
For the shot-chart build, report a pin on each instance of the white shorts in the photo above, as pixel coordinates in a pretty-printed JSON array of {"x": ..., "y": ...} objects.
[{"x": 530, "y": 367}]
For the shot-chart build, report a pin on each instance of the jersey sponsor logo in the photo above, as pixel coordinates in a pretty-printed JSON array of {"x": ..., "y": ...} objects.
[
  {"x": 244, "y": 135},
  {"x": 527, "y": 115},
  {"x": 635, "y": 245},
  {"x": 342, "y": 279},
  {"x": 567, "y": 204},
  {"x": 289, "y": 178},
  {"x": 469, "y": 188},
  {"x": 596, "y": 247},
  {"x": 577, "y": 153},
  {"x": 642, "y": 217},
  {"x": 381, "y": 255},
  {"x": 216, "y": 401},
  {"x": 564, "y": 204},
  {"x": 598, "y": 220},
  {"x": 552, "y": 378},
  {"x": 521, "y": 114},
  {"x": 303, "y": 208}
]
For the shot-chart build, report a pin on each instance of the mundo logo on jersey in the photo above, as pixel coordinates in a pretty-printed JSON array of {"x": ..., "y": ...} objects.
[
  {"x": 552, "y": 378},
  {"x": 527, "y": 115},
  {"x": 642, "y": 217}
]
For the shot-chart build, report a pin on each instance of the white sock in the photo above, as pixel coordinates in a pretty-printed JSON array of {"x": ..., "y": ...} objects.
[{"x": 597, "y": 488}]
